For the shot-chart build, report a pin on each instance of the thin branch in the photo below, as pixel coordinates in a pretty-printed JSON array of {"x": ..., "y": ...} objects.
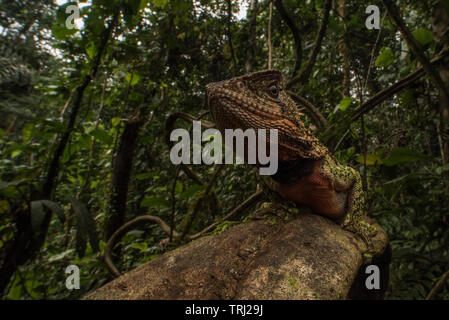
[
  {"x": 131, "y": 225},
  {"x": 438, "y": 286},
  {"x": 416, "y": 48},
  {"x": 54, "y": 164},
  {"x": 269, "y": 36},
  {"x": 228, "y": 30},
  {"x": 383, "y": 95},
  {"x": 256, "y": 196},
  {"x": 343, "y": 50},
  {"x": 173, "y": 203},
  {"x": 362, "y": 118},
  {"x": 387, "y": 93},
  {"x": 169, "y": 124},
  {"x": 295, "y": 32},
  {"x": 252, "y": 12},
  {"x": 196, "y": 205},
  {"x": 372, "y": 60},
  {"x": 312, "y": 111},
  {"x": 304, "y": 75}
]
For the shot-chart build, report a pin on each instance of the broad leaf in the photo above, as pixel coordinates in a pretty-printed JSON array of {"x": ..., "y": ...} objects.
[
  {"x": 371, "y": 159},
  {"x": 85, "y": 228},
  {"x": 345, "y": 103},
  {"x": 423, "y": 36},
  {"x": 191, "y": 191},
  {"x": 385, "y": 58},
  {"x": 102, "y": 135},
  {"x": 55, "y": 208},
  {"x": 38, "y": 216},
  {"x": 403, "y": 155},
  {"x": 153, "y": 201}
]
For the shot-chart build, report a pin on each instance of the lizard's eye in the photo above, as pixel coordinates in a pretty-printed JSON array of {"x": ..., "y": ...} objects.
[{"x": 274, "y": 91}]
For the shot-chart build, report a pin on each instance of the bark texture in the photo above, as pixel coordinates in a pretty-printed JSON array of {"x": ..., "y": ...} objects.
[
  {"x": 122, "y": 173},
  {"x": 305, "y": 256},
  {"x": 440, "y": 26}
]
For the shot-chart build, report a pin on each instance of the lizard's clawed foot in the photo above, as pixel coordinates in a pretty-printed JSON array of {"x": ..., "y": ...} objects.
[{"x": 364, "y": 230}]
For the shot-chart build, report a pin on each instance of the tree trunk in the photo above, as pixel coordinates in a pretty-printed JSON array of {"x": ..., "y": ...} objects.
[
  {"x": 344, "y": 52},
  {"x": 303, "y": 256},
  {"x": 252, "y": 13},
  {"x": 440, "y": 26},
  {"x": 121, "y": 174}
]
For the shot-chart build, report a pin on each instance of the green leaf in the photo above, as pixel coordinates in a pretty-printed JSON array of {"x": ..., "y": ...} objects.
[
  {"x": 404, "y": 155},
  {"x": 102, "y": 135},
  {"x": 131, "y": 12},
  {"x": 60, "y": 256},
  {"x": 345, "y": 103},
  {"x": 159, "y": 3},
  {"x": 85, "y": 228},
  {"x": 38, "y": 215},
  {"x": 15, "y": 153},
  {"x": 146, "y": 175},
  {"x": 371, "y": 159},
  {"x": 84, "y": 142},
  {"x": 115, "y": 121},
  {"x": 141, "y": 246},
  {"x": 91, "y": 50},
  {"x": 55, "y": 208},
  {"x": 178, "y": 187},
  {"x": 153, "y": 201},
  {"x": 400, "y": 178},
  {"x": 93, "y": 184},
  {"x": 132, "y": 79},
  {"x": 62, "y": 32},
  {"x": 440, "y": 170},
  {"x": 191, "y": 191},
  {"x": 144, "y": 4},
  {"x": 27, "y": 133},
  {"x": 4, "y": 185},
  {"x": 42, "y": 210},
  {"x": 385, "y": 58},
  {"x": 423, "y": 36},
  {"x": 9, "y": 189},
  {"x": 135, "y": 233},
  {"x": 15, "y": 291},
  {"x": 4, "y": 207}
]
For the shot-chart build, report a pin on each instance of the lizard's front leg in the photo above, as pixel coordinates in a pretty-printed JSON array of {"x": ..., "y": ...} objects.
[{"x": 345, "y": 178}]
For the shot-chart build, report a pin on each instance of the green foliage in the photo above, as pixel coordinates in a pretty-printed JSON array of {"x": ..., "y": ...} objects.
[
  {"x": 403, "y": 155},
  {"x": 161, "y": 56},
  {"x": 85, "y": 228},
  {"x": 385, "y": 58},
  {"x": 344, "y": 103},
  {"x": 423, "y": 36}
]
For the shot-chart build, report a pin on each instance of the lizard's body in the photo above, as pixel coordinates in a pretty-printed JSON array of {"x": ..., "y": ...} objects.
[{"x": 308, "y": 173}]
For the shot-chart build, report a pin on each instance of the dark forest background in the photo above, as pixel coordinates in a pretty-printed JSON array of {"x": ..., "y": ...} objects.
[{"x": 84, "y": 120}]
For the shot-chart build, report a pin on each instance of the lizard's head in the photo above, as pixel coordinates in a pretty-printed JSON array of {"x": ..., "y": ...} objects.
[
  {"x": 259, "y": 92},
  {"x": 259, "y": 101}
]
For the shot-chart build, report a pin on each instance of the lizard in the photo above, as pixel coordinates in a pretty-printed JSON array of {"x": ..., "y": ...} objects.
[{"x": 308, "y": 173}]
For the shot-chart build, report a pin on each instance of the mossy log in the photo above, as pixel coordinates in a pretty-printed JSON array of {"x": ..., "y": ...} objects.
[{"x": 305, "y": 256}]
